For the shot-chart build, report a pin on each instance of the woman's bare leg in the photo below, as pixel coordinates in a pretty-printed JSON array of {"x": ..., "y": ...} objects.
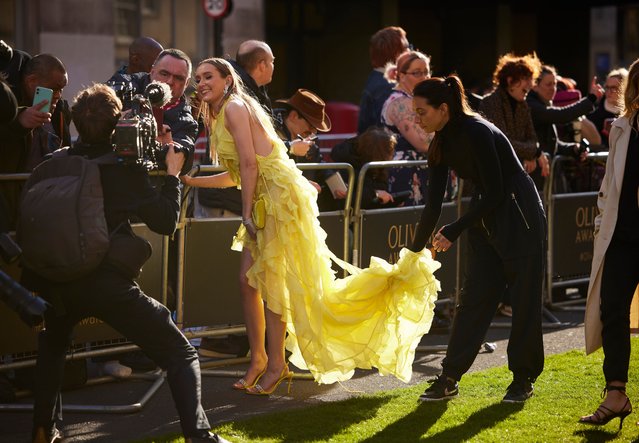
[
  {"x": 275, "y": 334},
  {"x": 253, "y": 309}
]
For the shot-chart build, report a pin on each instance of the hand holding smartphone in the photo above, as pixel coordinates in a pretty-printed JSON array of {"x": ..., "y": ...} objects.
[{"x": 42, "y": 94}]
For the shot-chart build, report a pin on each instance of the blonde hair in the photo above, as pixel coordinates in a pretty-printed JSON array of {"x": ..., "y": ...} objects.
[
  {"x": 237, "y": 90},
  {"x": 629, "y": 92}
]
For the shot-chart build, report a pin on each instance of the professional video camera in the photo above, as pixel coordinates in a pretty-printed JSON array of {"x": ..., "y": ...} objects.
[
  {"x": 135, "y": 137},
  {"x": 29, "y": 307}
]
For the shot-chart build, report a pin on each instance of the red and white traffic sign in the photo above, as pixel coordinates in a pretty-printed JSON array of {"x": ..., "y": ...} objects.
[{"x": 217, "y": 8}]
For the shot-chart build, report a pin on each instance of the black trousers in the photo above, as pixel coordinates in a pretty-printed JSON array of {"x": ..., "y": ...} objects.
[
  {"x": 618, "y": 283},
  {"x": 119, "y": 302},
  {"x": 487, "y": 275}
]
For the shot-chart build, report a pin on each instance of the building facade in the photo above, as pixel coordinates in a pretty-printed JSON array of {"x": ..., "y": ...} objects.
[{"x": 322, "y": 45}]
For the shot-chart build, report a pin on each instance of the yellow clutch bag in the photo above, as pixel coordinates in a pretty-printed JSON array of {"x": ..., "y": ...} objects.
[{"x": 259, "y": 213}]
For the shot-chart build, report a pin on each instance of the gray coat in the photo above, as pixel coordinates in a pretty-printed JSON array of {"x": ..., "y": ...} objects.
[{"x": 608, "y": 205}]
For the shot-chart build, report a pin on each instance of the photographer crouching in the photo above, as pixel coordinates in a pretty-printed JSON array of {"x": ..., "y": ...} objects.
[{"x": 109, "y": 292}]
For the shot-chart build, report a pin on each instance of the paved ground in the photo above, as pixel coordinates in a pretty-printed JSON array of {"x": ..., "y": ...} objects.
[{"x": 222, "y": 403}]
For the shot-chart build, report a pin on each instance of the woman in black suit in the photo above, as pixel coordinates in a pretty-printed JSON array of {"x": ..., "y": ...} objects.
[{"x": 506, "y": 228}]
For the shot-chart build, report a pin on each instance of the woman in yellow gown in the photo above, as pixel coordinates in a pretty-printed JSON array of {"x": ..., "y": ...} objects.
[{"x": 373, "y": 318}]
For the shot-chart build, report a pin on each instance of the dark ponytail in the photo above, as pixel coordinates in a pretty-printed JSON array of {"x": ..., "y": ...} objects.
[{"x": 439, "y": 90}]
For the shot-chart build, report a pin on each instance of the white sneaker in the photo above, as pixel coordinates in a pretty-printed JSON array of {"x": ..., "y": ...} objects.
[{"x": 115, "y": 369}]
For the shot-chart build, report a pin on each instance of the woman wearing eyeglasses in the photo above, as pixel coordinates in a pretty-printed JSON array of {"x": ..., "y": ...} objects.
[
  {"x": 398, "y": 116},
  {"x": 611, "y": 104}
]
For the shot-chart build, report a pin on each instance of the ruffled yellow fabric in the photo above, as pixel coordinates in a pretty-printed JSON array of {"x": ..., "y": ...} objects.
[{"x": 372, "y": 318}]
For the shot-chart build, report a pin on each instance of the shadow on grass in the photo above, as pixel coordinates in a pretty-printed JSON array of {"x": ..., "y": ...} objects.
[
  {"x": 415, "y": 425},
  {"x": 412, "y": 426},
  {"x": 319, "y": 423},
  {"x": 478, "y": 421},
  {"x": 597, "y": 435}
]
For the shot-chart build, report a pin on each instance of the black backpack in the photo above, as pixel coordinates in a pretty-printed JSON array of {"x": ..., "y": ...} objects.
[{"x": 61, "y": 226}]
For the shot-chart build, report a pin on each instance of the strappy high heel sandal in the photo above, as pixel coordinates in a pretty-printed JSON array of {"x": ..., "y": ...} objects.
[
  {"x": 257, "y": 389},
  {"x": 242, "y": 384},
  {"x": 604, "y": 414}
]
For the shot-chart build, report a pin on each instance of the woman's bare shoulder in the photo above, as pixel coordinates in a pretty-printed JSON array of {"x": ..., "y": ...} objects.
[{"x": 235, "y": 107}]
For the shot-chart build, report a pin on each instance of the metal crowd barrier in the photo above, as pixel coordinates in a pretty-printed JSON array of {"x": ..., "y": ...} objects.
[
  {"x": 18, "y": 348},
  {"x": 100, "y": 339},
  {"x": 570, "y": 232},
  {"x": 206, "y": 296},
  {"x": 399, "y": 224},
  {"x": 196, "y": 302},
  {"x": 197, "y": 237},
  {"x": 326, "y": 142}
]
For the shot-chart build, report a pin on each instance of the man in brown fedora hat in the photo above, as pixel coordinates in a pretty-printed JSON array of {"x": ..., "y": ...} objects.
[{"x": 297, "y": 121}]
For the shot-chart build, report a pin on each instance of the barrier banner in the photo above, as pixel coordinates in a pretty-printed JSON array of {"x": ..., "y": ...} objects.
[
  {"x": 212, "y": 269},
  {"x": 211, "y": 273},
  {"x": 386, "y": 231},
  {"x": 572, "y": 234}
]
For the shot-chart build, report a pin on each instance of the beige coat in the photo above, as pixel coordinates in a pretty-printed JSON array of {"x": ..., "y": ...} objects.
[{"x": 608, "y": 205}]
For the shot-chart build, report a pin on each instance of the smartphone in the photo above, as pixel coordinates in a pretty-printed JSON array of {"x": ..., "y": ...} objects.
[
  {"x": 584, "y": 146},
  {"x": 43, "y": 94}
]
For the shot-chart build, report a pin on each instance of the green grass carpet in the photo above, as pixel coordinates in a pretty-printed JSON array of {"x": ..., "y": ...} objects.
[{"x": 568, "y": 388}]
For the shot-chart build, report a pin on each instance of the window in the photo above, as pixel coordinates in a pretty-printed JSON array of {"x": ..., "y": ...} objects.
[{"x": 127, "y": 23}]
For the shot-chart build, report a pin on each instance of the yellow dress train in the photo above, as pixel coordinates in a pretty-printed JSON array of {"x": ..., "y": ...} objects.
[{"x": 375, "y": 317}]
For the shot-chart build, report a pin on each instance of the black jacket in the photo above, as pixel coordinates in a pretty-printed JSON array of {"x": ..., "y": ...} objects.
[
  {"x": 505, "y": 197},
  {"x": 260, "y": 93},
  {"x": 545, "y": 116},
  {"x": 179, "y": 118},
  {"x": 19, "y": 153},
  {"x": 599, "y": 117},
  {"x": 129, "y": 194}
]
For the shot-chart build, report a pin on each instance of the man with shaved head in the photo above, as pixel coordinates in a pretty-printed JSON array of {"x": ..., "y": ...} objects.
[
  {"x": 255, "y": 63},
  {"x": 142, "y": 53}
]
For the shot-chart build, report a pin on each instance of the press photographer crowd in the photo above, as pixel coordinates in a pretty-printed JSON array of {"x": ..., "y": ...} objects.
[{"x": 69, "y": 225}]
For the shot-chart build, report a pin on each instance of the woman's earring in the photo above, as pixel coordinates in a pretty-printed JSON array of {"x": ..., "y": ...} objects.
[{"x": 226, "y": 89}]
